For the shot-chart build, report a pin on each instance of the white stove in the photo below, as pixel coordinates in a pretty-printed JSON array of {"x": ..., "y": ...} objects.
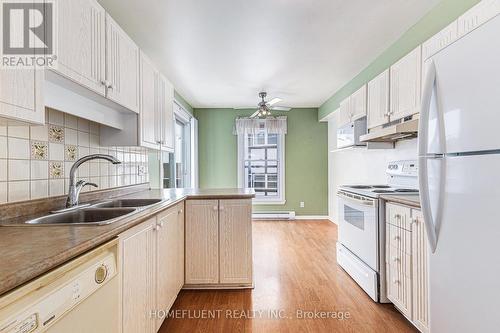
[
  {"x": 401, "y": 179},
  {"x": 361, "y": 239}
]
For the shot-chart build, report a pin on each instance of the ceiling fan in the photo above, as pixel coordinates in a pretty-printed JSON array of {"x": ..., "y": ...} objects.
[{"x": 264, "y": 108}]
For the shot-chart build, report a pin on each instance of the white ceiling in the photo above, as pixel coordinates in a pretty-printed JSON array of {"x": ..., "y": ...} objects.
[{"x": 221, "y": 53}]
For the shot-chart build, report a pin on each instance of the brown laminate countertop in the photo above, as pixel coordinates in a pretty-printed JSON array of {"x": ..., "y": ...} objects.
[
  {"x": 27, "y": 252},
  {"x": 410, "y": 199}
]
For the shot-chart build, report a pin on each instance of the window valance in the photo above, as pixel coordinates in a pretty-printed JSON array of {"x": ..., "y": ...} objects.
[{"x": 275, "y": 125}]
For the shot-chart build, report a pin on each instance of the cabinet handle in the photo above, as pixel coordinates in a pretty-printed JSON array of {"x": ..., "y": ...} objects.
[
  {"x": 397, "y": 216},
  {"x": 395, "y": 281},
  {"x": 110, "y": 86},
  {"x": 104, "y": 83},
  {"x": 216, "y": 208},
  {"x": 395, "y": 259},
  {"x": 221, "y": 208},
  {"x": 396, "y": 238},
  {"x": 161, "y": 224},
  {"x": 180, "y": 211},
  {"x": 155, "y": 228}
]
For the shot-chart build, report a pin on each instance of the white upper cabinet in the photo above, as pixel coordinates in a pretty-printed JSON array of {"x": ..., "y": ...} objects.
[
  {"x": 344, "y": 112},
  {"x": 165, "y": 97},
  {"x": 405, "y": 80},
  {"x": 378, "y": 100},
  {"x": 81, "y": 43},
  {"x": 353, "y": 107},
  {"x": 21, "y": 97},
  {"x": 358, "y": 103},
  {"x": 149, "y": 119},
  {"x": 477, "y": 15},
  {"x": 440, "y": 40},
  {"x": 122, "y": 67}
]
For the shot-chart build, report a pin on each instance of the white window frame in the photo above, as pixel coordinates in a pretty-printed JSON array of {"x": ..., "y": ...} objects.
[
  {"x": 280, "y": 199},
  {"x": 191, "y": 138}
]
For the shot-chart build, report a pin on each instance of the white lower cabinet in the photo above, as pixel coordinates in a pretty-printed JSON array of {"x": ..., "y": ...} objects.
[
  {"x": 166, "y": 261},
  {"x": 138, "y": 260},
  {"x": 152, "y": 256},
  {"x": 407, "y": 263},
  {"x": 218, "y": 243},
  {"x": 235, "y": 235}
]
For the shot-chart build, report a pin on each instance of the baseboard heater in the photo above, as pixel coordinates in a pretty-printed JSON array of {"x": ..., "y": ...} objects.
[{"x": 273, "y": 215}]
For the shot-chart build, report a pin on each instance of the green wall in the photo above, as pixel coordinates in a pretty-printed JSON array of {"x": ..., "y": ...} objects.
[
  {"x": 438, "y": 18},
  {"x": 306, "y": 155}
]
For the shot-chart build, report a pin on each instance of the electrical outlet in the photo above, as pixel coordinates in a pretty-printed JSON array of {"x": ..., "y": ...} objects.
[
  {"x": 302, "y": 204},
  {"x": 141, "y": 170}
]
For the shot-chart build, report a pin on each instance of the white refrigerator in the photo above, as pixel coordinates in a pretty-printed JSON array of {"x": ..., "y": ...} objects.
[{"x": 459, "y": 176}]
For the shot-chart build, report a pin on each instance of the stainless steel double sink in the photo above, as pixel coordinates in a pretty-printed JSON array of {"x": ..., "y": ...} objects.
[{"x": 101, "y": 213}]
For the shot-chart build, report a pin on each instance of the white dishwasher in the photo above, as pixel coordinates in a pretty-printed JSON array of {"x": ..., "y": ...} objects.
[{"x": 79, "y": 296}]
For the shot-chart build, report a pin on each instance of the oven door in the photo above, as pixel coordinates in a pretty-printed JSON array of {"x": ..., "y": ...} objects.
[{"x": 358, "y": 227}]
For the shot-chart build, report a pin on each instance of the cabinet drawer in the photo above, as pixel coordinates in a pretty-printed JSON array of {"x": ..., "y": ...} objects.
[
  {"x": 398, "y": 215},
  {"x": 399, "y": 261},
  {"x": 399, "y": 291},
  {"x": 399, "y": 238}
]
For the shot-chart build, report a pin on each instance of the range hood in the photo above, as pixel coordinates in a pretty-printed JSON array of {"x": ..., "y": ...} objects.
[{"x": 391, "y": 133}]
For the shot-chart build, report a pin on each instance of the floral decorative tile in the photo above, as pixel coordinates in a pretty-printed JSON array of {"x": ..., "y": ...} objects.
[
  {"x": 71, "y": 152},
  {"x": 56, "y": 170},
  {"x": 56, "y": 134},
  {"x": 39, "y": 150}
]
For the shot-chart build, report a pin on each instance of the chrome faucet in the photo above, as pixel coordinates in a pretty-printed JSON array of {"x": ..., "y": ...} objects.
[{"x": 76, "y": 187}]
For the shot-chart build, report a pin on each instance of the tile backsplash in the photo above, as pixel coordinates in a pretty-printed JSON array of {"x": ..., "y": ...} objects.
[{"x": 35, "y": 160}]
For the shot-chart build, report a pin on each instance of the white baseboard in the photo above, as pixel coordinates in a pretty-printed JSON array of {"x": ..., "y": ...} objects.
[{"x": 312, "y": 217}]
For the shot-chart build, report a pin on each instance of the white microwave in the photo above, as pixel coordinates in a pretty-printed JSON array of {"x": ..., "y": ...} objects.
[{"x": 349, "y": 134}]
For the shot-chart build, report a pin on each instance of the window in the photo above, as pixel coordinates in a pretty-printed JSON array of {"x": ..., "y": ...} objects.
[
  {"x": 178, "y": 167},
  {"x": 261, "y": 165}
]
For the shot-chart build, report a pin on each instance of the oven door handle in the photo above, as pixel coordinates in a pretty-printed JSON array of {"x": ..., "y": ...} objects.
[{"x": 367, "y": 202}]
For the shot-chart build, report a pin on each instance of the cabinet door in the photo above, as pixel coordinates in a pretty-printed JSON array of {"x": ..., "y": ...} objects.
[
  {"x": 344, "y": 112},
  {"x": 122, "y": 67},
  {"x": 138, "y": 255},
  {"x": 358, "y": 103},
  {"x": 399, "y": 288},
  {"x": 405, "y": 85},
  {"x": 378, "y": 100},
  {"x": 167, "y": 257},
  {"x": 440, "y": 40},
  {"x": 202, "y": 242},
  {"x": 420, "y": 273},
  {"x": 81, "y": 38},
  {"x": 180, "y": 244},
  {"x": 478, "y": 15},
  {"x": 149, "y": 118},
  {"x": 235, "y": 233},
  {"x": 21, "y": 96},
  {"x": 165, "y": 107}
]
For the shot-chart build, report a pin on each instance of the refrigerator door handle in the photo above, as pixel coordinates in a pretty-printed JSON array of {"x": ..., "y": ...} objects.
[
  {"x": 423, "y": 130},
  {"x": 423, "y": 180}
]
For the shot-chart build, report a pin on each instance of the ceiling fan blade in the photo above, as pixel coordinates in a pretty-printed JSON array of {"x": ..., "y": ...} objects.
[
  {"x": 281, "y": 108},
  {"x": 256, "y": 113},
  {"x": 274, "y": 101}
]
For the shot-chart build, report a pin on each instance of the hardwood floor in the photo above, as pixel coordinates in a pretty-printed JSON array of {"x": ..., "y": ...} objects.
[{"x": 295, "y": 270}]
